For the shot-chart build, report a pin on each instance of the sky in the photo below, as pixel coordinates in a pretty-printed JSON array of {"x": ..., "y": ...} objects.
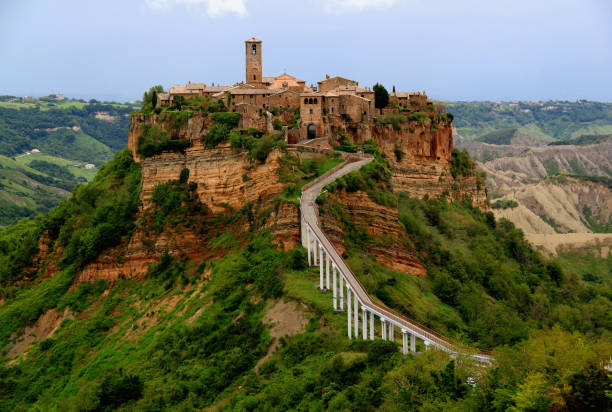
[{"x": 452, "y": 49}]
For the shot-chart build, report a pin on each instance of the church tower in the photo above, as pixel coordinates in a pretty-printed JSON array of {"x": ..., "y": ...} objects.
[{"x": 253, "y": 61}]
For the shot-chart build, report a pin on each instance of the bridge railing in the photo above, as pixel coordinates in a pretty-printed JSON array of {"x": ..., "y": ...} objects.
[{"x": 363, "y": 297}]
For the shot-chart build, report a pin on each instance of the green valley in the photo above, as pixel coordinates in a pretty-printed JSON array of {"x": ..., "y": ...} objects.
[{"x": 46, "y": 146}]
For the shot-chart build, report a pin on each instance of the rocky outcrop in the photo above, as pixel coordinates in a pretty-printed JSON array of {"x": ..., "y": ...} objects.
[
  {"x": 284, "y": 224},
  {"x": 381, "y": 223},
  {"x": 192, "y": 128},
  {"x": 224, "y": 177},
  {"x": 133, "y": 260},
  {"x": 419, "y": 153},
  {"x": 226, "y": 180}
]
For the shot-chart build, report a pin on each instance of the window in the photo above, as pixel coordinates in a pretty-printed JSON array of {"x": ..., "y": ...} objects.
[
  {"x": 254, "y": 77},
  {"x": 306, "y": 101},
  {"x": 315, "y": 100},
  {"x": 254, "y": 49},
  {"x": 311, "y": 111}
]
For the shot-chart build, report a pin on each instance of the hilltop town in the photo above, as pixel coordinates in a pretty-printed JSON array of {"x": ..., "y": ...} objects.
[{"x": 335, "y": 103}]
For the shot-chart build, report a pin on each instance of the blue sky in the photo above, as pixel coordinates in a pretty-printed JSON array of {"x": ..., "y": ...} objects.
[{"x": 453, "y": 49}]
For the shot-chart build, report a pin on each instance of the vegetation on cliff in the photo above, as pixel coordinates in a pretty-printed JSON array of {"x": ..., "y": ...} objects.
[
  {"x": 191, "y": 335},
  {"x": 485, "y": 285}
]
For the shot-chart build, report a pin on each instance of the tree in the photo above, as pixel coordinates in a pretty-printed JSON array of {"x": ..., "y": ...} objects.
[
  {"x": 381, "y": 96},
  {"x": 393, "y": 88},
  {"x": 149, "y": 99}
]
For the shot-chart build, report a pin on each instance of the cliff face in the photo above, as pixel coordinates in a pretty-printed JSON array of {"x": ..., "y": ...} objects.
[
  {"x": 226, "y": 180},
  {"x": 191, "y": 129},
  {"x": 224, "y": 176},
  {"x": 381, "y": 224},
  {"x": 419, "y": 153}
]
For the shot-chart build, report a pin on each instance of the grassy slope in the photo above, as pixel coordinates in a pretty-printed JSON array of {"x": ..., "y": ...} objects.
[
  {"x": 75, "y": 167},
  {"x": 485, "y": 285},
  {"x": 189, "y": 335},
  {"x": 25, "y": 191}
]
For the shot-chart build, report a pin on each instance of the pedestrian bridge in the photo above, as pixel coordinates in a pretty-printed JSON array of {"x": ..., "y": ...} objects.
[{"x": 347, "y": 292}]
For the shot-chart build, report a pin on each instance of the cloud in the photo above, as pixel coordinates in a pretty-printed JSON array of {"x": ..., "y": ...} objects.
[
  {"x": 341, "y": 6},
  {"x": 213, "y": 7}
]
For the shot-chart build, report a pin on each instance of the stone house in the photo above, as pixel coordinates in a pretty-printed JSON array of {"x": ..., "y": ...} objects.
[{"x": 336, "y": 103}]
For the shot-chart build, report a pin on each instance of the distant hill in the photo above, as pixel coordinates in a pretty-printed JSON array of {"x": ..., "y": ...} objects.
[
  {"x": 45, "y": 145},
  {"x": 550, "y": 190},
  {"x": 510, "y": 137},
  {"x": 583, "y": 140},
  {"x": 544, "y": 121}
]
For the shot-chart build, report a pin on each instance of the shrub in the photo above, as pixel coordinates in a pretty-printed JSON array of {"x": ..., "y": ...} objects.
[
  {"x": 504, "y": 204},
  {"x": 393, "y": 119},
  {"x": 418, "y": 117},
  {"x": 155, "y": 141},
  {"x": 118, "y": 388},
  {"x": 223, "y": 123},
  {"x": 229, "y": 119},
  {"x": 461, "y": 164},
  {"x": 184, "y": 176}
]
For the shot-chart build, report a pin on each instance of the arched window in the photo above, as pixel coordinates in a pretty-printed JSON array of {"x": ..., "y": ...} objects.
[
  {"x": 315, "y": 100},
  {"x": 305, "y": 100},
  {"x": 254, "y": 49},
  {"x": 310, "y": 101},
  {"x": 254, "y": 77}
]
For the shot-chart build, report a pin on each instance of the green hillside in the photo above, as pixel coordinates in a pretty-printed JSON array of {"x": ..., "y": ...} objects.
[
  {"x": 559, "y": 120},
  {"x": 191, "y": 335},
  {"x": 68, "y": 133}
]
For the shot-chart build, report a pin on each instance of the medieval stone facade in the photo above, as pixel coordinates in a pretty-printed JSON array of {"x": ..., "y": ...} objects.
[{"x": 336, "y": 103}]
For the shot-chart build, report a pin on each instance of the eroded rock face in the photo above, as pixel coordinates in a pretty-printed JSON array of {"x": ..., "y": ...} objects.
[
  {"x": 193, "y": 129},
  {"x": 419, "y": 153},
  {"x": 224, "y": 176},
  {"x": 226, "y": 180},
  {"x": 378, "y": 221},
  {"x": 567, "y": 205}
]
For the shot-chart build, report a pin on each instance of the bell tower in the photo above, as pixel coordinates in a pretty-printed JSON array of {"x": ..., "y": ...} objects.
[{"x": 253, "y": 61}]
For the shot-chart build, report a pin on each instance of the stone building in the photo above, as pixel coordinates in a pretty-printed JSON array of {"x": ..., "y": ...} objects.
[{"x": 336, "y": 102}]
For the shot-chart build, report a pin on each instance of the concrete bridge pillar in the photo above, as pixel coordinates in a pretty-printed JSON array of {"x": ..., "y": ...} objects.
[
  {"x": 426, "y": 344},
  {"x": 309, "y": 246},
  {"x": 356, "y": 314},
  {"x": 327, "y": 270},
  {"x": 371, "y": 325},
  {"x": 412, "y": 343},
  {"x": 391, "y": 332},
  {"x": 314, "y": 250},
  {"x": 321, "y": 258},
  {"x": 405, "y": 341},
  {"x": 364, "y": 322},
  {"x": 334, "y": 289},
  {"x": 341, "y": 292},
  {"x": 383, "y": 328},
  {"x": 348, "y": 311}
]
